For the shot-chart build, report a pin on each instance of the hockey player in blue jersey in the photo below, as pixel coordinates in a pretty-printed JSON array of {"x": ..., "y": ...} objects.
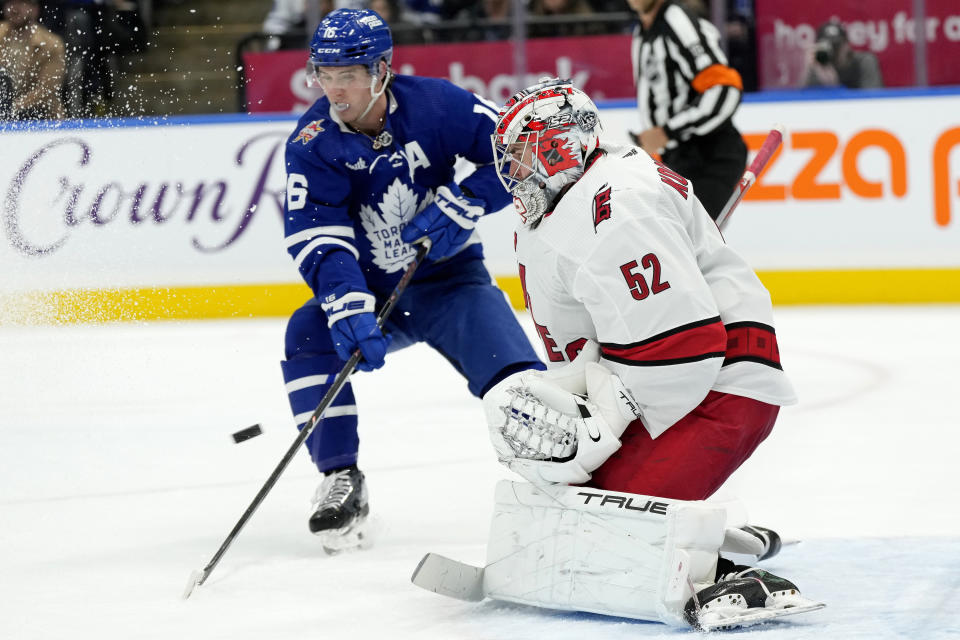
[{"x": 370, "y": 170}]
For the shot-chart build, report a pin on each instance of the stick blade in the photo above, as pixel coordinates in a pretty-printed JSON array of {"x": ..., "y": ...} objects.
[
  {"x": 449, "y": 578},
  {"x": 195, "y": 578}
]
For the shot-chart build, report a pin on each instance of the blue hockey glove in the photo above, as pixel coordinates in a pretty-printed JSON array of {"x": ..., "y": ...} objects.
[
  {"x": 448, "y": 221},
  {"x": 353, "y": 326}
]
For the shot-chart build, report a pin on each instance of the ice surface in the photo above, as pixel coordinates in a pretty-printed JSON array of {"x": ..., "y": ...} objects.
[{"x": 118, "y": 476}]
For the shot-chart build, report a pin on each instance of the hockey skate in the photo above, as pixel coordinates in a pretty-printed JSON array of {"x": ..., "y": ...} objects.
[
  {"x": 743, "y": 597},
  {"x": 341, "y": 511}
]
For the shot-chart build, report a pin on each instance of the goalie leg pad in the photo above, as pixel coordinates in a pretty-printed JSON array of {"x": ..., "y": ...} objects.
[{"x": 583, "y": 549}]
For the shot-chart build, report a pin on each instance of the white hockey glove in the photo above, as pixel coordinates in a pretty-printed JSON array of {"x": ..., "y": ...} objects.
[{"x": 546, "y": 433}]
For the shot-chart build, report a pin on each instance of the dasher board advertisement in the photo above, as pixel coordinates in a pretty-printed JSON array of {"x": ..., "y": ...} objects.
[{"x": 184, "y": 217}]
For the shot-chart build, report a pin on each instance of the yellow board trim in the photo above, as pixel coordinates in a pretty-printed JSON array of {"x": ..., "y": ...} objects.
[{"x": 877, "y": 286}]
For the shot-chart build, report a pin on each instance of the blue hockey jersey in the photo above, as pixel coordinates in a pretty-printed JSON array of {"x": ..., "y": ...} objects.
[{"x": 344, "y": 198}]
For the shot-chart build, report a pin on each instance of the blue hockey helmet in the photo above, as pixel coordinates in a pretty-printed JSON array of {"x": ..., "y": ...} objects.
[{"x": 351, "y": 36}]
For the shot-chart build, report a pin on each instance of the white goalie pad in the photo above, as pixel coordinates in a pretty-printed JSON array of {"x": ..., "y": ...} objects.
[
  {"x": 583, "y": 549},
  {"x": 549, "y": 431}
]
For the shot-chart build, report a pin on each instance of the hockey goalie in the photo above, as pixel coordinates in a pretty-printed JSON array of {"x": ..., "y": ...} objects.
[{"x": 665, "y": 376}]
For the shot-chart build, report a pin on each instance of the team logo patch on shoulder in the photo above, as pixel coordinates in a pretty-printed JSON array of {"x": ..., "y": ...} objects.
[
  {"x": 309, "y": 132},
  {"x": 601, "y": 206}
]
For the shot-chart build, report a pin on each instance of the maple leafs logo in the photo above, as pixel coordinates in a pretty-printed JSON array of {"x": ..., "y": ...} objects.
[{"x": 384, "y": 223}]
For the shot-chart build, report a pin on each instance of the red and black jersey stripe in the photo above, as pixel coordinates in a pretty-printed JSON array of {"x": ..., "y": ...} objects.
[
  {"x": 752, "y": 342},
  {"x": 709, "y": 338},
  {"x": 691, "y": 342}
]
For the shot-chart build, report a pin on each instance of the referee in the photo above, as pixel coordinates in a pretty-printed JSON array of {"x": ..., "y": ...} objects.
[{"x": 687, "y": 94}]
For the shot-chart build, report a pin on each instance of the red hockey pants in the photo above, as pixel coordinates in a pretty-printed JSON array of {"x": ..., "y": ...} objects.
[{"x": 691, "y": 459}]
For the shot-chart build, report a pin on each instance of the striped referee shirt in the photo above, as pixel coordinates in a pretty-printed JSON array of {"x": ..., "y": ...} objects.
[{"x": 683, "y": 81}]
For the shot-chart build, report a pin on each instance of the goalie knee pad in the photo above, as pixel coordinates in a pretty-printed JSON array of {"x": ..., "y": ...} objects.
[{"x": 583, "y": 549}]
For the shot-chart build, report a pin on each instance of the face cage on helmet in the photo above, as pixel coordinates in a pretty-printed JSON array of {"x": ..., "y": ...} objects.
[{"x": 508, "y": 164}]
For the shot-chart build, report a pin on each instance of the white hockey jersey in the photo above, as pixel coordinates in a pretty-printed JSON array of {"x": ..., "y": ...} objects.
[{"x": 630, "y": 258}]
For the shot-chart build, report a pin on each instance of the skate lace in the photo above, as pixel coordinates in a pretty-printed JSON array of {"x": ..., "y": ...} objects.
[
  {"x": 743, "y": 574},
  {"x": 334, "y": 490}
]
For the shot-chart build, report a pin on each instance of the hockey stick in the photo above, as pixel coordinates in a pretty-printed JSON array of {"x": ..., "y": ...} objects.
[
  {"x": 198, "y": 577},
  {"x": 769, "y": 147}
]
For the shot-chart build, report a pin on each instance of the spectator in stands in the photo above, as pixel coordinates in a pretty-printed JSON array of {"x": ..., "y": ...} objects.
[
  {"x": 290, "y": 23},
  {"x": 32, "y": 59},
  {"x": 560, "y": 9},
  {"x": 6, "y": 95},
  {"x": 610, "y": 6},
  {"x": 833, "y": 62},
  {"x": 492, "y": 18},
  {"x": 94, "y": 39},
  {"x": 403, "y": 31},
  {"x": 742, "y": 44},
  {"x": 286, "y": 24},
  {"x": 423, "y": 12}
]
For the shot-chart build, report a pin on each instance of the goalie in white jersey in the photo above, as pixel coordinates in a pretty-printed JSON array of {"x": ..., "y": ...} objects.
[{"x": 679, "y": 376}]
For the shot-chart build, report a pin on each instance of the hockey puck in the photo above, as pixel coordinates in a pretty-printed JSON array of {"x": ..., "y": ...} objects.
[{"x": 246, "y": 434}]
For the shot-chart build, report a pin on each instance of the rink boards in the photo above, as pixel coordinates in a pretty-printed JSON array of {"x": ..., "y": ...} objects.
[{"x": 182, "y": 218}]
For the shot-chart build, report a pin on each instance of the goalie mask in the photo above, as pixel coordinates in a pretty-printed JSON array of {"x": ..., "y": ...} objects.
[{"x": 541, "y": 141}]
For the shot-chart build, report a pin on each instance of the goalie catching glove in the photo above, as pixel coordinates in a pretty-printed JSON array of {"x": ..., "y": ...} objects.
[{"x": 558, "y": 426}]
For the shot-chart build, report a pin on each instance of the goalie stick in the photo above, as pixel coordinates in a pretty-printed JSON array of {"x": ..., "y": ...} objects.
[
  {"x": 200, "y": 576},
  {"x": 769, "y": 147}
]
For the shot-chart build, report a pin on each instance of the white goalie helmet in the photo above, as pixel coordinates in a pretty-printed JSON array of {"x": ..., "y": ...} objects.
[{"x": 543, "y": 137}]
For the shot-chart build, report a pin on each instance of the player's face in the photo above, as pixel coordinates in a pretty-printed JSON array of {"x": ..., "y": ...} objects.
[
  {"x": 348, "y": 89},
  {"x": 521, "y": 159}
]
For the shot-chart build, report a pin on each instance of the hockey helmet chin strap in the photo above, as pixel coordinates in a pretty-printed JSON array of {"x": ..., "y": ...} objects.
[{"x": 374, "y": 94}]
